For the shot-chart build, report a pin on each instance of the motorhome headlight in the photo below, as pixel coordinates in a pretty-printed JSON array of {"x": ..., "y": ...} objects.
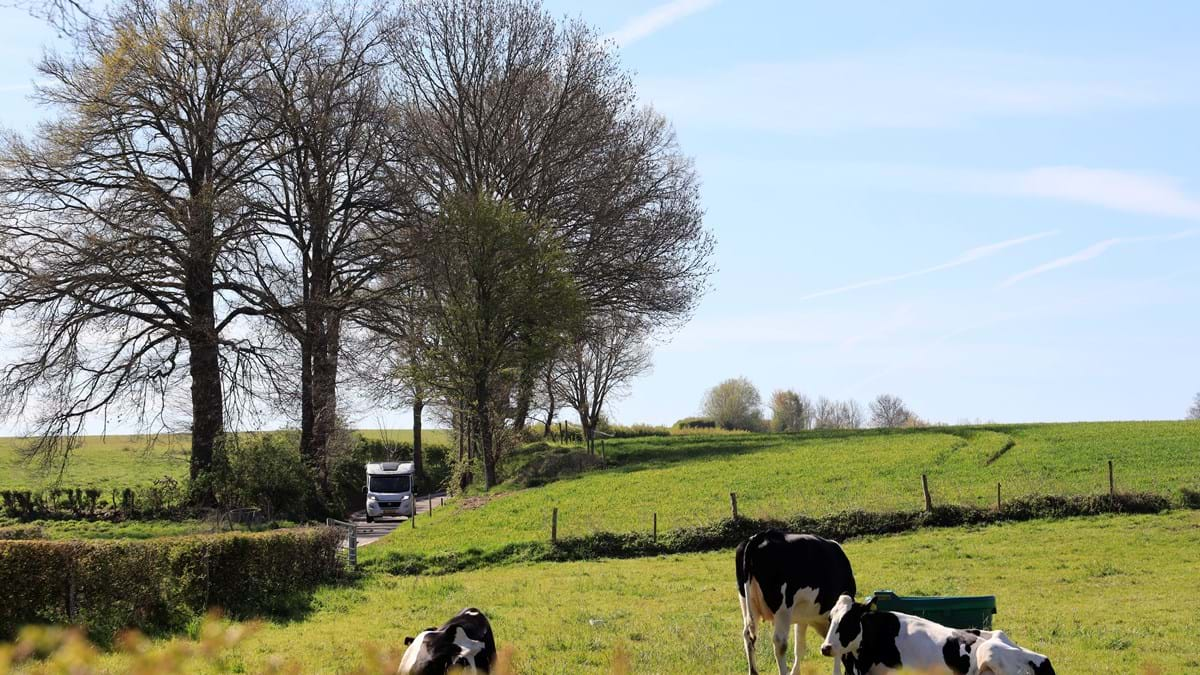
[
  {"x": 370, "y": 498},
  {"x": 405, "y": 498}
]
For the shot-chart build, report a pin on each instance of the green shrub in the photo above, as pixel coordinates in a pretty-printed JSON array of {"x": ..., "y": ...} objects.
[
  {"x": 1191, "y": 498},
  {"x": 635, "y": 430},
  {"x": 696, "y": 423},
  {"x": 161, "y": 584},
  {"x": 554, "y": 463},
  {"x": 264, "y": 471}
]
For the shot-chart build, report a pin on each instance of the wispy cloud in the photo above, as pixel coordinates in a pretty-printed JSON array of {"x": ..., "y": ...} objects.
[
  {"x": 660, "y": 17},
  {"x": 1094, "y": 251},
  {"x": 968, "y": 256},
  {"x": 1139, "y": 192},
  {"x": 1120, "y": 190},
  {"x": 906, "y": 89}
]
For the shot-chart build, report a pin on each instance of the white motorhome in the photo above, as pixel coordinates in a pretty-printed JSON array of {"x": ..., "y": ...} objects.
[{"x": 389, "y": 490}]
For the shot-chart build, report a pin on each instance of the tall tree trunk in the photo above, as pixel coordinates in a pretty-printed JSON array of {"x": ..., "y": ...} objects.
[
  {"x": 204, "y": 359},
  {"x": 418, "y": 462},
  {"x": 524, "y": 398},
  {"x": 483, "y": 419},
  {"x": 460, "y": 426},
  {"x": 324, "y": 394},
  {"x": 585, "y": 427},
  {"x": 306, "y": 403},
  {"x": 208, "y": 415}
]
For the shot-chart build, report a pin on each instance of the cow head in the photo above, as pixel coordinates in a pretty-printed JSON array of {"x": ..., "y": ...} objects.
[{"x": 845, "y": 628}]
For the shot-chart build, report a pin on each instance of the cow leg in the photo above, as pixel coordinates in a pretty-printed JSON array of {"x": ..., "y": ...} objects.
[
  {"x": 783, "y": 623},
  {"x": 749, "y": 638},
  {"x": 799, "y": 629}
]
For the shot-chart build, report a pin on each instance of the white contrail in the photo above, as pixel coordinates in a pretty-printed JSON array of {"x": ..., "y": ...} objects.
[
  {"x": 656, "y": 19},
  {"x": 1093, "y": 251},
  {"x": 971, "y": 255}
]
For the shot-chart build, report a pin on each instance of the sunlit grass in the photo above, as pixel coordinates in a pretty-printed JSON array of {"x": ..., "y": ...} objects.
[
  {"x": 1099, "y": 595},
  {"x": 687, "y": 480}
]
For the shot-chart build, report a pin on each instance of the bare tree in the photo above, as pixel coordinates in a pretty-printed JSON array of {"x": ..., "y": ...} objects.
[
  {"x": 831, "y": 414},
  {"x": 610, "y": 353},
  {"x": 790, "y": 411},
  {"x": 65, "y": 16},
  {"x": 328, "y": 232},
  {"x": 120, "y": 216},
  {"x": 1194, "y": 411},
  {"x": 889, "y": 412},
  {"x": 501, "y": 99}
]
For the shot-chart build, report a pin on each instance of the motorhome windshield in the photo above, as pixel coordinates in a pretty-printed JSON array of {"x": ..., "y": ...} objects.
[{"x": 390, "y": 484}]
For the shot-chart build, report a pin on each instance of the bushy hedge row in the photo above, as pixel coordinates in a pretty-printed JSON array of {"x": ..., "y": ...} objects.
[
  {"x": 160, "y": 584},
  {"x": 165, "y": 498},
  {"x": 696, "y": 423},
  {"x": 729, "y": 532},
  {"x": 635, "y": 430}
]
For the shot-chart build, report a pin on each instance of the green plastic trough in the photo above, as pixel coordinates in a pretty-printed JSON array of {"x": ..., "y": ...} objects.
[{"x": 965, "y": 612}]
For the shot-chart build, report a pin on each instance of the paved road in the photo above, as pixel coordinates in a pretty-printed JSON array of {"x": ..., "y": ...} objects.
[{"x": 369, "y": 533}]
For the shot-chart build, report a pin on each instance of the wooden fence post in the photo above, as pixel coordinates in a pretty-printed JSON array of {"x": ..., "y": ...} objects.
[
  {"x": 925, "y": 489},
  {"x": 655, "y": 536},
  {"x": 997, "y": 498},
  {"x": 1112, "y": 488},
  {"x": 413, "y": 518},
  {"x": 430, "y": 503},
  {"x": 554, "y": 526},
  {"x": 733, "y": 504}
]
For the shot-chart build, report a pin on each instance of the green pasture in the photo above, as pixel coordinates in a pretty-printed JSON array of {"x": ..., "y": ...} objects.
[
  {"x": 686, "y": 480},
  {"x": 1099, "y": 595}
]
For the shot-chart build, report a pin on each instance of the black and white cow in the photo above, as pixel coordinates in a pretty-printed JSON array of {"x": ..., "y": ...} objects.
[
  {"x": 464, "y": 642},
  {"x": 790, "y": 580},
  {"x": 999, "y": 656},
  {"x": 870, "y": 642}
]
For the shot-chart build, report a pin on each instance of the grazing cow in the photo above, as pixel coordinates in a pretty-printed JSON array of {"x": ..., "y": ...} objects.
[
  {"x": 791, "y": 580},
  {"x": 870, "y": 642},
  {"x": 999, "y": 656},
  {"x": 464, "y": 642}
]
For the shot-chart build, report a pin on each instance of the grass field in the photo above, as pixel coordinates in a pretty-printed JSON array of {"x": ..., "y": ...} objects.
[
  {"x": 136, "y": 529},
  {"x": 131, "y": 461},
  {"x": 687, "y": 479},
  {"x": 1100, "y": 595}
]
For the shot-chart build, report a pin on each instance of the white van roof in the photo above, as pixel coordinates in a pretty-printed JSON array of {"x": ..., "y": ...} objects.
[{"x": 390, "y": 467}]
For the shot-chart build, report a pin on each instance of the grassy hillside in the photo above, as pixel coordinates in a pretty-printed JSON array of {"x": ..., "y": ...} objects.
[
  {"x": 1058, "y": 585},
  {"x": 102, "y": 461},
  {"x": 687, "y": 479},
  {"x": 130, "y": 461}
]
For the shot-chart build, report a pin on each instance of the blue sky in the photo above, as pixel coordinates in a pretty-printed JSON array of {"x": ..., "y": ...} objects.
[{"x": 991, "y": 210}]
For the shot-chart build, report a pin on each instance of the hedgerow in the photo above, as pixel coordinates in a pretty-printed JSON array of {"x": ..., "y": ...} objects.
[
  {"x": 729, "y": 532},
  {"x": 161, "y": 584}
]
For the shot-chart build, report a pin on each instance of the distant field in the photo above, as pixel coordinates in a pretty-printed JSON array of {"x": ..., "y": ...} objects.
[
  {"x": 687, "y": 479},
  {"x": 1088, "y": 592},
  {"x": 102, "y": 462},
  {"x": 131, "y": 461}
]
